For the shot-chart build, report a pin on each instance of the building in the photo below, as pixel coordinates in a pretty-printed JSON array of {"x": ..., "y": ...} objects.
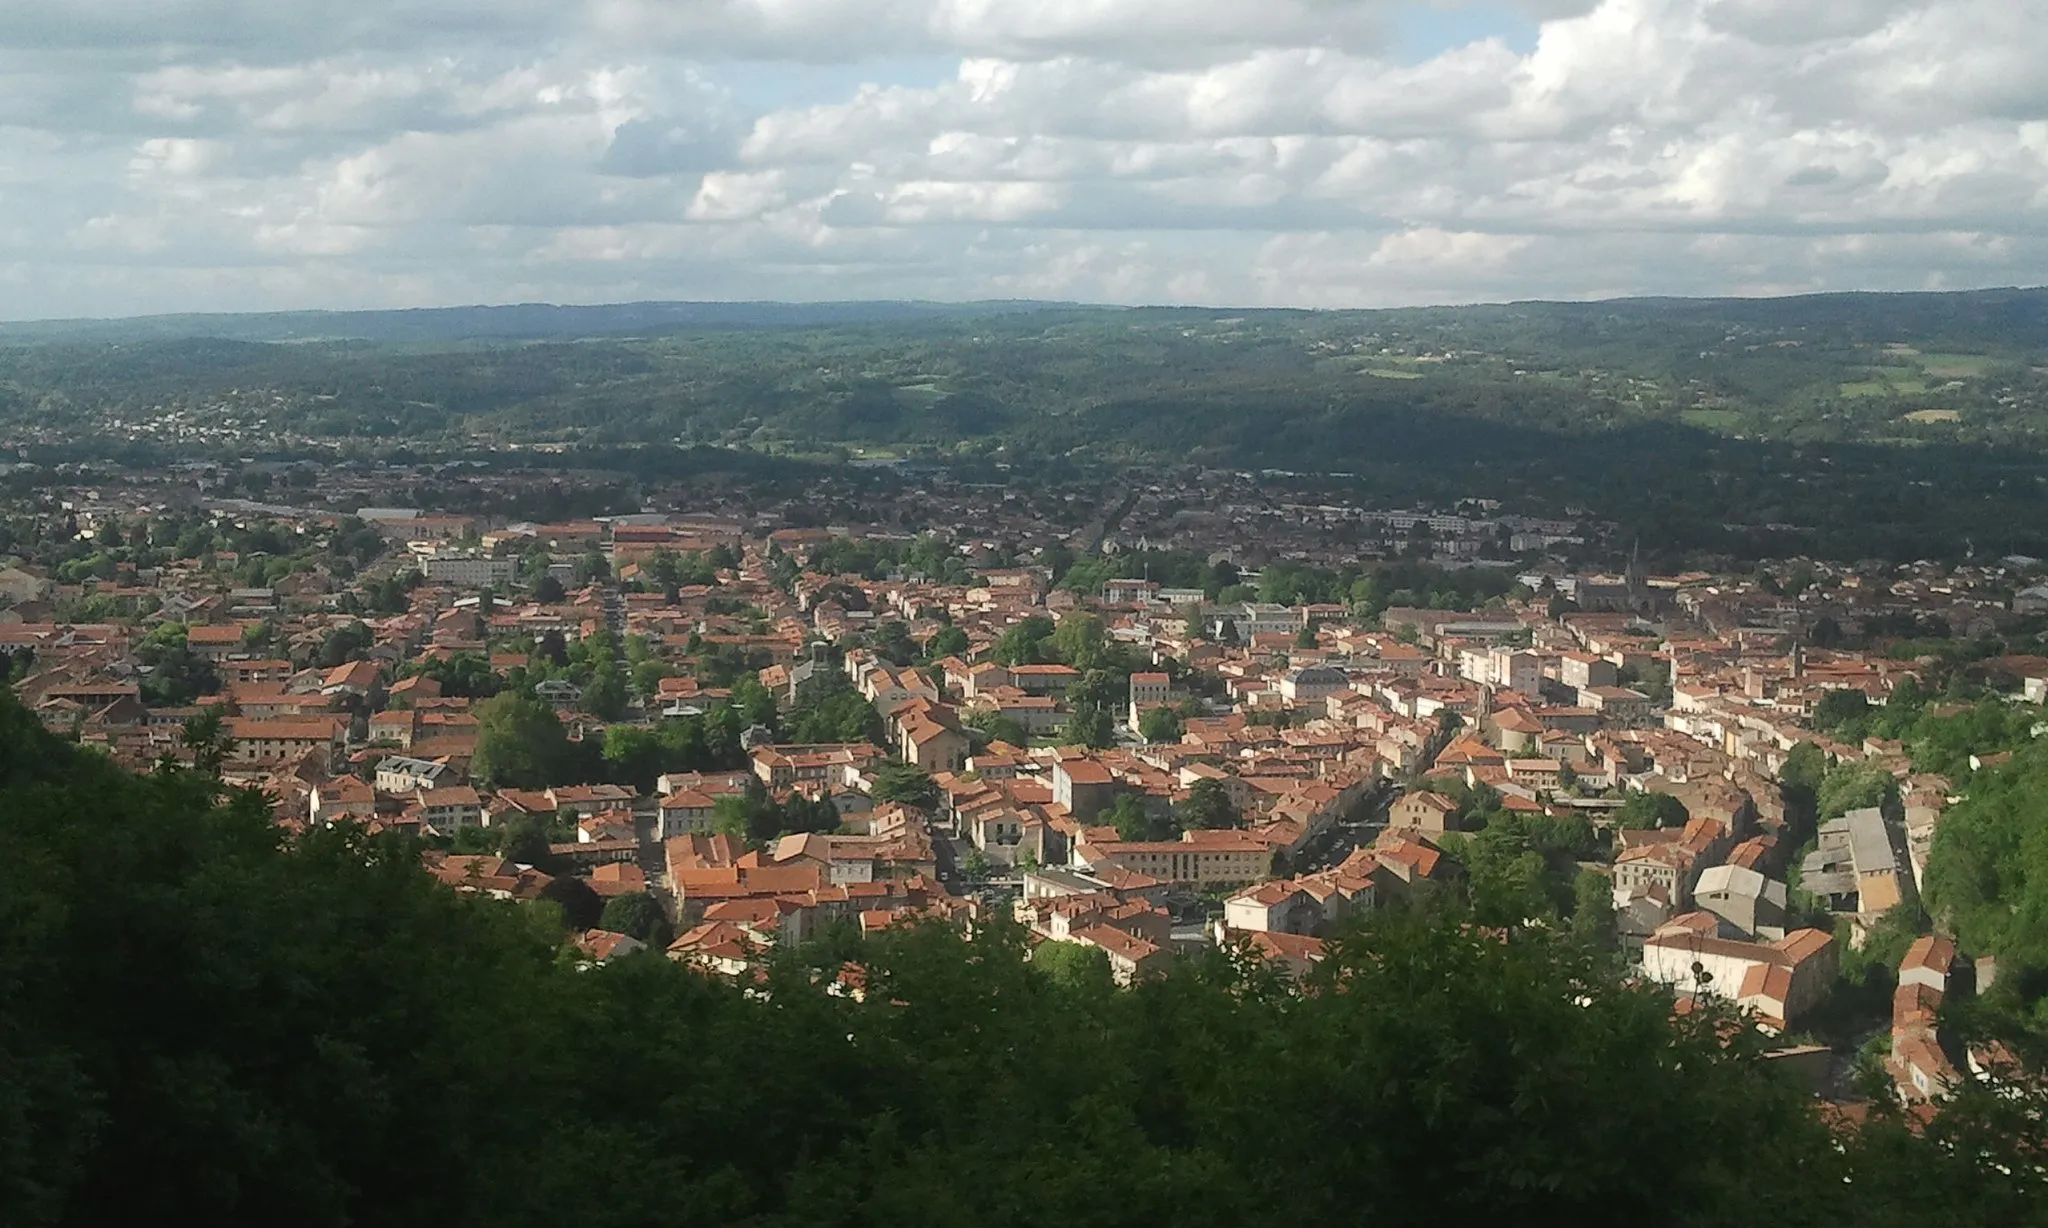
[
  {"x": 1312, "y": 684},
  {"x": 1743, "y": 898},
  {"x": 406, "y": 774},
  {"x": 1854, "y": 865},
  {"x": 1084, "y": 787},
  {"x": 272, "y": 742},
  {"x": 468, "y": 570},
  {"x": 686, "y": 812},
  {"x": 1202, "y": 860},
  {"x": 1431, "y": 813},
  {"x": 1780, "y": 981}
]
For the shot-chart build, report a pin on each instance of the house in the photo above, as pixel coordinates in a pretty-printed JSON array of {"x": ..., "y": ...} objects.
[
  {"x": 406, "y": 774},
  {"x": 342, "y": 799},
  {"x": 928, "y": 739},
  {"x": 1430, "y": 813},
  {"x": 216, "y": 644},
  {"x": 1312, "y": 684},
  {"x": 1929, "y": 961},
  {"x": 1854, "y": 866},
  {"x": 18, "y": 587},
  {"x": 1780, "y": 981},
  {"x": 603, "y": 946},
  {"x": 1744, "y": 898},
  {"x": 1149, "y": 689},
  {"x": 449, "y": 808},
  {"x": 1083, "y": 786},
  {"x": 1667, "y": 867},
  {"x": 1042, "y": 679},
  {"x": 1130, "y": 957},
  {"x": 686, "y": 812},
  {"x": 1200, "y": 859},
  {"x": 269, "y": 742},
  {"x": 396, "y": 728}
]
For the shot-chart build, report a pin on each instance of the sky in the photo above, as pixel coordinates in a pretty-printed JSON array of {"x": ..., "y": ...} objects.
[{"x": 240, "y": 155}]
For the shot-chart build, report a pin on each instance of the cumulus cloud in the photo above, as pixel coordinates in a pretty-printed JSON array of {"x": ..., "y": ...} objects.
[{"x": 220, "y": 154}]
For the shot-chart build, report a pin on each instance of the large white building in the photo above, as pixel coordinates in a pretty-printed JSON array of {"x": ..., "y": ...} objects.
[{"x": 469, "y": 570}]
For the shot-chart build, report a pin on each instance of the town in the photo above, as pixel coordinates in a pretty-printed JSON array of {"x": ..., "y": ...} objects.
[{"x": 1207, "y": 711}]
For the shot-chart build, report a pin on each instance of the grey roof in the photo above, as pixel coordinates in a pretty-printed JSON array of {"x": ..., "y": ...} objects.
[{"x": 1870, "y": 846}]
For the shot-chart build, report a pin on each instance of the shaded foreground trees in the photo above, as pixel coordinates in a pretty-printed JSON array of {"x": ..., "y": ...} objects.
[{"x": 203, "y": 1022}]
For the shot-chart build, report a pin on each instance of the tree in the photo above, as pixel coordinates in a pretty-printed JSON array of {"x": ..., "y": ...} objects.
[
  {"x": 604, "y": 696},
  {"x": 205, "y": 1016},
  {"x": 1072, "y": 966},
  {"x": 206, "y": 738},
  {"x": 548, "y": 590},
  {"x": 1090, "y": 726},
  {"x": 520, "y": 743},
  {"x": 1132, "y": 820},
  {"x": 994, "y": 727},
  {"x": 948, "y": 641},
  {"x": 906, "y": 783},
  {"x": 1645, "y": 811},
  {"x": 344, "y": 644},
  {"x": 1079, "y": 641},
  {"x": 1209, "y": 806},
  {"x": 638, "y": 914},
  {"x": 582, "y": 907},
  {"x": 1024, "y": 643},
  {"x": 1854, "y": 786},
  {"x": 1593, "y": 909},
  {"x": 1840, "y": 709},
  {"x": 1161, "y": 724},
  {"x": 524, "y": 840}
]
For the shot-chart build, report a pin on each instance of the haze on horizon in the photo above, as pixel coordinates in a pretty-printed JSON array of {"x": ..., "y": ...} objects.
[{"x": 225, "y": 155}]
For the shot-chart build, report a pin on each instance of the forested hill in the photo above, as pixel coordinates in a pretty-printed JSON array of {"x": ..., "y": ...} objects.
[
  {"x": 512, "y": 321},
  {"x": 1852, "y": 425},
  {"x": 202, "y": 1022}
]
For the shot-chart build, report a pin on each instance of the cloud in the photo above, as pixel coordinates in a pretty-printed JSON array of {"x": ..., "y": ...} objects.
[{"x": 214, "y": 154}]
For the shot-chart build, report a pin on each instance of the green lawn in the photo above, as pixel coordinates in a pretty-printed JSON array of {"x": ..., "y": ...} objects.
[
  {"x": 1956, "y": 366},
  {"x": 1882, "y": 386},
  {"x": 1390, "y": 373},
  {"x": 1712, "y": 419}
]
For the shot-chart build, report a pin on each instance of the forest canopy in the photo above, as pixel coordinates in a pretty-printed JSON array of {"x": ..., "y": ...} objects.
[{"x": 204, "y": 1021}]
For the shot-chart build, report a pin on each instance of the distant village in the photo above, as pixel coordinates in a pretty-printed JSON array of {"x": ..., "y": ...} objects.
[{"x": 1133, "y": 768}]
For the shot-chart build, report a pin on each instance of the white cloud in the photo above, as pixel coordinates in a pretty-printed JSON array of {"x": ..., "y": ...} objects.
[{"x": 181, "y": 154}]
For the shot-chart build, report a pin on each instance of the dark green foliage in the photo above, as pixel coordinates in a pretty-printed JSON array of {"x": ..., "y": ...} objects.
[
  {"x": 1134, "y": 820},
  {"x": 1854, "y": 786},
  {"x": 1024, "y": 643},
  {"x": 1208, "y": 805},
  {"x": 202, "y": 1022},
  {"x": 947, "y": 642},
  {"x": 466, "y": 675},
  {"x": 176, "y": 676},
  {"x": 639, "y": 754},
  {"x": 638, "y": 914},
  {"x": 1161, "y": 724},
  {"x": 1645, "y": 810},
  {"x": 757, "y": 817},
  {"x": 897, "y": 781},
  {"x": 520, "y": 743},
  {"x": 831, "y": 710},
  {"x": 993, "y": 728}
]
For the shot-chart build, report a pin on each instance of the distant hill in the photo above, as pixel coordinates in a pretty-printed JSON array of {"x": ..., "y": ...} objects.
[
  {"x": 511, "y": 321},
  {"x": 1912, "y": 424}
]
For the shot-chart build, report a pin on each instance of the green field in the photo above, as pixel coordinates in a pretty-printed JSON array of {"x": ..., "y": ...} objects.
[
  {"x": 1712, "y": 419},
  {"x": 1390, "y": 373},
  {"x": 1955, "y": 366},
  {"x": 1883, "y": 386}
]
